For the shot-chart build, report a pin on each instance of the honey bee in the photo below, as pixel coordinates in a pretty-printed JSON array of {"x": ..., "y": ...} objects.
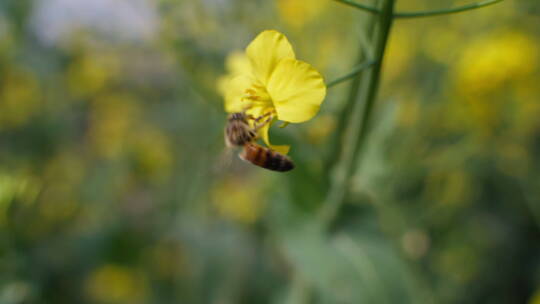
[
  {"x": 266, "y": 158},
  {"x": 239, "y": 133}
]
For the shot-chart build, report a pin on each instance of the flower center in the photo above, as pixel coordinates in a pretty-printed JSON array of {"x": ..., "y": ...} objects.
[{"x": 256, "y": 95}]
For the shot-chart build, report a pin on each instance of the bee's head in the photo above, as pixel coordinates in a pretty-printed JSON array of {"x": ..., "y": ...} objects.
[{"x": 238, "y": 116}]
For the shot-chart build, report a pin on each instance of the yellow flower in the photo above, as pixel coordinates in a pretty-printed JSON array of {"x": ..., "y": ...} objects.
[{"x": 268, "y": 80}]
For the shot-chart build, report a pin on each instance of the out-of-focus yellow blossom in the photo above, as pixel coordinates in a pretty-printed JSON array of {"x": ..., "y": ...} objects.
[
  {"x": 91, "y": 72},
  {"x": 489, "y": 62},
  {"x": 486, "y": 68},
  {"x": 113, "y": 284},
  {"x": 152, "y": 153},
  {"x": 269, "y": 80},
  {"x": 299, "y": 12},
  {"x": 111, "y": 118},
  {"x": 20, "y": 98},
  {"x": 238, "y": 200}
]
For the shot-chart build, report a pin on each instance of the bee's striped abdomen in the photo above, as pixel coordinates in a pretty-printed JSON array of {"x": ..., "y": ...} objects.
[{"x": 266, "y": 158}]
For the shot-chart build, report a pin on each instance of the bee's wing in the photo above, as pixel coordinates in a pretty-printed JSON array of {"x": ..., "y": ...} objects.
[{"x": 224, "y": 161}]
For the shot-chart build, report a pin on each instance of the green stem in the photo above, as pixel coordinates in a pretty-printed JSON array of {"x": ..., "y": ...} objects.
[
  {"x": 351, "y": 74},
  {"x": 363, "y": 95},
  {"x": 446, "y": 11},
  {"x": 422, "y": 14}
]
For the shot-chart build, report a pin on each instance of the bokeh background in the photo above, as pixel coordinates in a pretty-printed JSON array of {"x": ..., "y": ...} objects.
[{"x": 114, "y": 188}]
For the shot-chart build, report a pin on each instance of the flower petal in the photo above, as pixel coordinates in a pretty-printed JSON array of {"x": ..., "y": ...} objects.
[
  {"x": 265, "y": 51},
  {"x": 238, "y": 63},
  {"x": 263, "y": 131},
  {"x": 297, "y": 90},
  {"x": 233, "y": 89},
  {"x": 283, "y": 149}
]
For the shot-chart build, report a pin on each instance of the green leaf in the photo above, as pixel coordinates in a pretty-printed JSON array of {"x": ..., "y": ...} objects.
[{"x": 350, "y": 267}]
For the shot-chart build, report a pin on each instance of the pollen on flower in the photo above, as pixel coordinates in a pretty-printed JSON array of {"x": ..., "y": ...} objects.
[
  {"x": 256, "y": 95},
  {"x": 251, "y": 94}
]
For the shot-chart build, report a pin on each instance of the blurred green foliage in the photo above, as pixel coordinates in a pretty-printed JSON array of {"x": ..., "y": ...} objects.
[{"x": 112, "y": 188}]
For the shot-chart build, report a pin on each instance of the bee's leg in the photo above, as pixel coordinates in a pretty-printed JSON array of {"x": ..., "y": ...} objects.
[
  {"x": 262, "y": 116},
  {"x": 259, "y": 124},
  {"x": 256, "y": 119},
  {"x": 256, "y": 127}
]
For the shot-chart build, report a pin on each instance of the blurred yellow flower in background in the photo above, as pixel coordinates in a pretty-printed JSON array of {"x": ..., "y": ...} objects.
[
  {"x": 299, "y": 12},
  {"x": 112, "y": 117},
  {"x": 269, "y": 80},
  {"x": 152, "y": 153},
  {"x": 486, "y": 64},
  {"x": 487, "y": 67},
  {"x": 89, "y": 74},
  {"x": 238, "y": 199},
  {"x": 113, "y": 284},
  {"x": 20, "y": 96}
]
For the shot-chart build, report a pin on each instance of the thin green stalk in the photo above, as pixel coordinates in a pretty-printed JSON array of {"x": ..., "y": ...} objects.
[
  {"x": 446, "y": 11},
  {"x": 359, "y": 68},
  {"x": 422, "y": 14},
  {"x": 363, "y": 95}
]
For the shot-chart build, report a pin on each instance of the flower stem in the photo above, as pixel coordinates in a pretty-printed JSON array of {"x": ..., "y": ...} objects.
[
  {"x": 362, "y": 98},
  {"x": 359, "y": 68},
  {"x": 421, "y": 14},
  {"x": 446, "y": 11}
]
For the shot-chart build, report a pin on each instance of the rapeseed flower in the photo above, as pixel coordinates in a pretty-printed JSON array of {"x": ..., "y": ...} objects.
[{"x": 268, "y": 81}]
